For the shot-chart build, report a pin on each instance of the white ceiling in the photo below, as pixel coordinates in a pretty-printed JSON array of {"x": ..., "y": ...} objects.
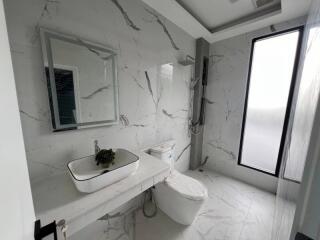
[
  {"x": 220, "y": 12},
  {"x": 216, "y": 20}
]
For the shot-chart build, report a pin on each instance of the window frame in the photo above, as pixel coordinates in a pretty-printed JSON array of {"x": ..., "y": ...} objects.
[{"x": 300, "y": 29}]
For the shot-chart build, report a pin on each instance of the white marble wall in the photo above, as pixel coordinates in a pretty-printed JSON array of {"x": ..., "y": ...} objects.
[
  {"x": 151, "y": 110},
  {"x": 117, "y": 225},
  {"x": 229, "y": 63}
]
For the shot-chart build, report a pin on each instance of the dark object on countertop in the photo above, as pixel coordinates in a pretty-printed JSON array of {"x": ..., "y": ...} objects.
[{"x": 105, "y": 157}]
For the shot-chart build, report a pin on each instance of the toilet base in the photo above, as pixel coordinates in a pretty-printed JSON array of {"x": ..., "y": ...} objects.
[{"x": 180, "y": 209}]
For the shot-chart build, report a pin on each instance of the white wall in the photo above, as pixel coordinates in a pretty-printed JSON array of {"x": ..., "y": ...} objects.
[
  {"x": 16, "y": 207},
  {"x": 229, "y": 64},
  {"x": 138, "y": 51},
  {"x": 151, "y": 112}
]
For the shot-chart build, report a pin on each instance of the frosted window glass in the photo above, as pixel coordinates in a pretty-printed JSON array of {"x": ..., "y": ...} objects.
[{"x": 271, "y": 74}]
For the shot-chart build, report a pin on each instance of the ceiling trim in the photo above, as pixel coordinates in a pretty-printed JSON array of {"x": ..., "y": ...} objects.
[
  {"x": 274, "y": 9},
  {"x": 177, "y": 14},
  {"x": 189, "y": 10}
]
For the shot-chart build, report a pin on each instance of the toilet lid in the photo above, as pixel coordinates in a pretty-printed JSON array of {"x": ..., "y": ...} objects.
[
  {"x": 163, "y": 148},
  {"x": 186, "y": 186}
]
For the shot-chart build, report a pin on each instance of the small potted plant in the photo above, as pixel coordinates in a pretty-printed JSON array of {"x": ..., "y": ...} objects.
[{"x": 105, "y": 158}]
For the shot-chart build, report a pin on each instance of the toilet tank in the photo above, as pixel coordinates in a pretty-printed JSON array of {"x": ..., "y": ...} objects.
[{"x": 164, "y": 152}]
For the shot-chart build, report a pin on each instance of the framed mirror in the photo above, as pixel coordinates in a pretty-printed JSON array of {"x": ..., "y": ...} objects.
[{"x": 82, "y": 81}]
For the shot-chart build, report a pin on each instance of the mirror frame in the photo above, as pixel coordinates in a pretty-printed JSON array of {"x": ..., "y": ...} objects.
[{"x": 45, "y": 36}]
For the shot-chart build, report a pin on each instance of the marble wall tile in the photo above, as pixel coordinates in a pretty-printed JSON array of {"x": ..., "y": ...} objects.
[
  {"x": 229, "y": 64},
  {"x": 153, "y": 87},
  {"x": 117, "y": 226}
]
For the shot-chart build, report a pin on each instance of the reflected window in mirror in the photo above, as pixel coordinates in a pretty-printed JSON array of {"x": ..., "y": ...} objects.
[
  {"x": 82, "y": 82},
  {"x": 65, "y": 88}
]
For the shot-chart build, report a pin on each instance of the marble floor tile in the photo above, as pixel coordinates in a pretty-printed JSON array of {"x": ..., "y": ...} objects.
[
  {"x": 233, "y": 211},
  {"x": 284, "y": 218}
]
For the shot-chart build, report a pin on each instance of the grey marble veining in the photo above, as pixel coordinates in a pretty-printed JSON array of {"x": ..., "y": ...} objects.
[
  {"x": 216, "y": 145},
  {"x": 46, "y": 12},
  {"x": 175, "y": 115},
  {"x": 121, "y": 25},
  {"x": 142, "y": 122},
  {"x": 137, "y": 82},
  {"x": 215, "y": 58},
  {"x": 120, "y": 226},
  {"x": 103, "y": 55},
  {"x": 150, "y": 88},
  {"x": 164, "y": 27},
  {"x": 234, "y": 211},
  {"x": 167, "y": 114},
  {"x": 182, "y": 152},
  {"x": 139, "y": 125},
  {"x": 125, "y": 15},
  {"x": 225, "y": 94},
  {"x": 91, "y": 95},
  {"x": 30, "y": 116}
]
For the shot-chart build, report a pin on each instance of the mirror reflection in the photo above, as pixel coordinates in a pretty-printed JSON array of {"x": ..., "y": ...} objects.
[{"x": 81, "y": 80}]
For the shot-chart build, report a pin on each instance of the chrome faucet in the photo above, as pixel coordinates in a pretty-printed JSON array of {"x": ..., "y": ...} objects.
[{"x": 96, "y": 147}]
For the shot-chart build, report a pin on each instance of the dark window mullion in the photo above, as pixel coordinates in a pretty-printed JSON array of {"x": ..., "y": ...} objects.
[{"x": 289, "y": 100}]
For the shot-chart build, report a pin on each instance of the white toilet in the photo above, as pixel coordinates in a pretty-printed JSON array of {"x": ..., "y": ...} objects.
[{"x": 179, "y": 196}]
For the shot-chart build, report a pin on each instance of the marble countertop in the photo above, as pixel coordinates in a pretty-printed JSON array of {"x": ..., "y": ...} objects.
[{"x": 57, "y": 198}]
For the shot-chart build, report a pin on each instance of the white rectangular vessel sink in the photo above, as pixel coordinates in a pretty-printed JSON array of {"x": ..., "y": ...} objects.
[{"x": 88, "y": 177}]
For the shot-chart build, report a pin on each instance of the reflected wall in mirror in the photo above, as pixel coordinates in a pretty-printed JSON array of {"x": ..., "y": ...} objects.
[{"x": 82, "y": 81}]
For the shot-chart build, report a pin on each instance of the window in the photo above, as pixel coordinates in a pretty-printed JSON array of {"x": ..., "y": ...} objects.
[
  {"x": 67, "y": 94},
  {"x": 268, "y": 99}
]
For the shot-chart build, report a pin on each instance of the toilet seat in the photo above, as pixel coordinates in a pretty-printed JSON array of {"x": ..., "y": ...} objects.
[
  {"x": 186, "y": 186},
  {"x": 179, "y": 196}
]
